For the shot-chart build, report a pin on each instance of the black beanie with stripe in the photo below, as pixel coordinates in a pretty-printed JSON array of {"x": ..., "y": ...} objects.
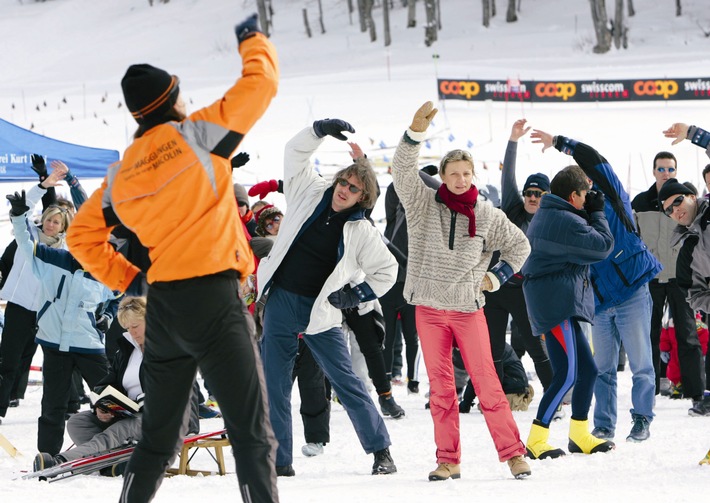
[{"x": 149, "y": 92}]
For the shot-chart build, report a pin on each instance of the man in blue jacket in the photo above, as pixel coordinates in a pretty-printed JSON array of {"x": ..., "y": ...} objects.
[{"x": 622, "y": 299}]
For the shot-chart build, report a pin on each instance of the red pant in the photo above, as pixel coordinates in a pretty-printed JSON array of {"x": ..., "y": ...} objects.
[{"x": 437, "y": 332}]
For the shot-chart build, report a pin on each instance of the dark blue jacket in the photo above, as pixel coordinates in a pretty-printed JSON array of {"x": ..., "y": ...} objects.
[
  {"x": 564, "y": 242},
  {"x": 631, "y": 265}
]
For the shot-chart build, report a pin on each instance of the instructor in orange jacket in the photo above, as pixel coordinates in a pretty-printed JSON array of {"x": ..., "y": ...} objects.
[{"x": 173, "y": 189}]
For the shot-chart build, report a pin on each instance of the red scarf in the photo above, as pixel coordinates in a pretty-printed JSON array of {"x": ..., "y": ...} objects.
[
  {"x": 247, "y": 216},
  {"x": 463, "y": 203}
]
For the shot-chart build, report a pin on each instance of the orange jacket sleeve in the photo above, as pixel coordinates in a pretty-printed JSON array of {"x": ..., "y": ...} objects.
[{"x": 88, "y": 241}]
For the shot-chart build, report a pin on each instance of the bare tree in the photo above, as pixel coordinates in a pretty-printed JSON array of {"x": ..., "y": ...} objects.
[
  {"x": 361, "y": 14},
  {"x": 430, "y": 30},
  {"x": 320, "y": 17},
  {"x": 486, "y": 13},
  {"x": 493, "y": 8},
  {"x": 411, "y": 13},
  {"x": 632, "y": 11},
  {"x": 620, "y": 30},
  {"x": 264, "y": 17},
  {"x": 386, "y": 22},
  {"x": 601, "y": 26},
  {"x": 511, "y": 16},
  {"x": 678, "y": 8},
  {"x": 369, "y": 21},
  {"x": 306, "y": 23}
]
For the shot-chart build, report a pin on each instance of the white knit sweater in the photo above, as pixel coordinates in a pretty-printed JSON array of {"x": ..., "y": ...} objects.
[{"x": 438, "y": 276}]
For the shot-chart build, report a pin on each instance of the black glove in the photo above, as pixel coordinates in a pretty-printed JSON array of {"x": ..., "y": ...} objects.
[
  {"x": 39, "y": 167},
  {"x": 103, "y": 323},
  {"x": 240, "y": 160},
  {"x": 345, "y": 298},
  {"x": 594, "y": 201},
  {"x": 247, "y": 28},
  {"x": 138, "y": 287},
  {"x": 18, "y": 203},
  {"x": 332, "y": 127}
]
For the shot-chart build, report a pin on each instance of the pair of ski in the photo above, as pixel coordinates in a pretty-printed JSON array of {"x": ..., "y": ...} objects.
[{"x": 100, "y": 460}]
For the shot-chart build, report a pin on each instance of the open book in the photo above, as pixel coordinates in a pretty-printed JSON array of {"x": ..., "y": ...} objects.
[{"x": 112, "y": 400}]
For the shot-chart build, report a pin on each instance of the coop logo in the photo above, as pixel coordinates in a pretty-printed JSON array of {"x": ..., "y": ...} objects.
[
  {"x": 466, "y": 88},
  {"x": 663, "y": 88},
  {"x": 564, "y": 90}
]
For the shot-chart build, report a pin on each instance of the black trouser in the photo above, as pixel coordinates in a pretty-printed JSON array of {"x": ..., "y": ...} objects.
[
  {"x": 690, "y": 355},
  {"x": 16, "y": 350},
  {"x": 201, "y": 322},
  {"x": 57, "y": 371},
  {"x": 506, "y": 301},
  {"x": 315, "y": 402},
  {"x": 369, "y": 337},
  {"x": 393, "y": 304}
]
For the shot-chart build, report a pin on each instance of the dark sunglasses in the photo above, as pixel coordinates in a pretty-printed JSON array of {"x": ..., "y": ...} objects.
[
  {"x": 270, "y": 225},
  {"x": 676, "y": 202},
  {"x": 534, "y": 193},
  {"x": 663, "y": 170},
  {"x": 344, "y": 183}
]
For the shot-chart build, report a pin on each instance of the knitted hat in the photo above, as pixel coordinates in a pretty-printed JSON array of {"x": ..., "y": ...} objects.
[
  {"x": 673, "y": 187},
  {"x": 149, "y": 92},
  {"x": 537, "y": 181},
  {"x": 240, "y": 193},
  {"x": 264, "y": 214}
]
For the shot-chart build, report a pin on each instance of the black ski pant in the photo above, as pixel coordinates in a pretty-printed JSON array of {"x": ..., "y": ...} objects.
[
  {"x": 394, "y": 305},
  {"x": 17, "y": 348},
  {"x": 509, "y": 300},
  {"x": 315, "y": 401},
  {"x": 202, "y": 322},
  {"x": 690, "y": 355},
  {"x": 370, "y": 336},
  {"x": 57, "y": 384}
]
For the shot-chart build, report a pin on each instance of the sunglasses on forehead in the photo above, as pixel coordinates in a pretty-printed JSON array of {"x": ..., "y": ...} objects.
[
  {"x": 676, "y": 202},
  {"x": 62, "y": 209},
  {"x": 344, "y": 183}
]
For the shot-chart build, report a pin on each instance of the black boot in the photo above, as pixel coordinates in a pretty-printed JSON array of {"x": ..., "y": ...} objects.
[{"x": 383, "y": 464}]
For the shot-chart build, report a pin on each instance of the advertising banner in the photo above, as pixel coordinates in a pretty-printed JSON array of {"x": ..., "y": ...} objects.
[{"x": 574, "y": 90}]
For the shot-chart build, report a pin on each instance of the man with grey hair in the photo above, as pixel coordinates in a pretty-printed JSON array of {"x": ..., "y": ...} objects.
[{"x": 328, "y": 257}]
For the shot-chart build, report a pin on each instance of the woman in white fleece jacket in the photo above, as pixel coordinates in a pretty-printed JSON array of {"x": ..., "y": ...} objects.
[{"x": 452, "y": 236}]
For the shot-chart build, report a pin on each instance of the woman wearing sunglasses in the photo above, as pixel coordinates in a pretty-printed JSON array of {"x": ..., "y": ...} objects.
[{"x": 328, "y": 257}]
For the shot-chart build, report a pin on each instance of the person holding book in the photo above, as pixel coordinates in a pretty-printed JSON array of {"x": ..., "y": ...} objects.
[{"x": 99, "y": 429}]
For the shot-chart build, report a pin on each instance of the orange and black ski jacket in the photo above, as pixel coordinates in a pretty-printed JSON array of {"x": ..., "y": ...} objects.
[{"x": 173, "y": 188}]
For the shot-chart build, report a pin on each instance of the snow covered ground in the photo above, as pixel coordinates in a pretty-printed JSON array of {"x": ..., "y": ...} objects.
[{"x": 79, "y": 50}]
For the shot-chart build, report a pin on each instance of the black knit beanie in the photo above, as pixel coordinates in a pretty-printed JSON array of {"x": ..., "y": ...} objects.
[
  {"x": 149, "y": 92},
  {"x": 537, "y": 181},
  {"x": 673, "y": 187}
]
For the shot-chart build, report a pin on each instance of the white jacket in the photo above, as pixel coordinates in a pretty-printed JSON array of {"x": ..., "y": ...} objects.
[
  {"x": 22, "y": 286},
  {"x": 364, "y": 253}
]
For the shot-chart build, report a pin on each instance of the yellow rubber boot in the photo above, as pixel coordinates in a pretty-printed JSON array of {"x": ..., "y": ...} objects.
[
  {"x": 537, "y": 445},
  {"x": 580, "y": 440}
]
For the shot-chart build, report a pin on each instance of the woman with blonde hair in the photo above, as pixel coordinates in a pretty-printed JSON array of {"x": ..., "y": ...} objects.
[
  {"x": 452, "y": 237},
  {"x": 97, "y": 430},
  {"x": 19, "y": 288}
]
